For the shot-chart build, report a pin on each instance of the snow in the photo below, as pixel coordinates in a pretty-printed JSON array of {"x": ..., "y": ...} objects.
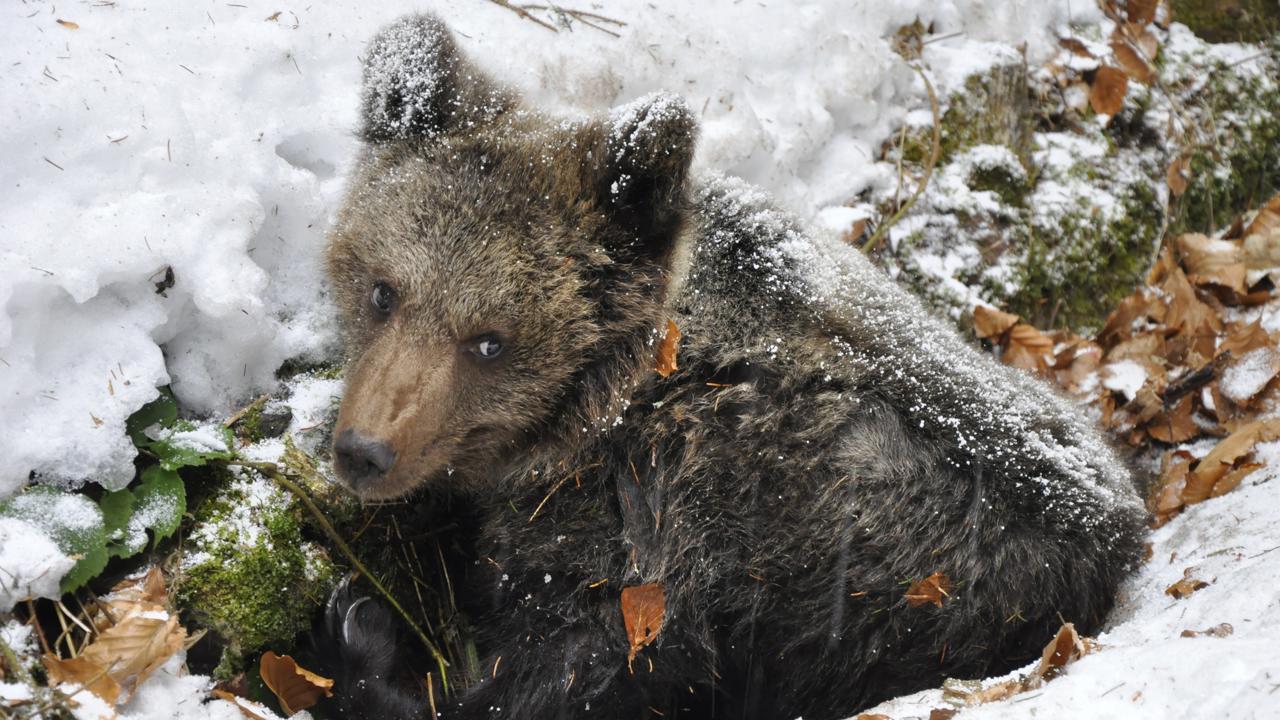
[
  {"x": 1124, "y": 376},
  {"x": 1249, "y": 375},
  {"x": 242, "y": 507},
  {"x": 31, "y": 565},
  {"x": 214, "y": 141}
]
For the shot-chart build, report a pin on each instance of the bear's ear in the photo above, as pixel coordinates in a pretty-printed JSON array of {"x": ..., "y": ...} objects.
[
  {"x": 418, "y": 85},
  {"x": 646, "y": 146}
]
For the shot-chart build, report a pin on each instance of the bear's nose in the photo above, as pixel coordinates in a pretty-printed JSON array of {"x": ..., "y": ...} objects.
[{"x": 360, "y": 460}]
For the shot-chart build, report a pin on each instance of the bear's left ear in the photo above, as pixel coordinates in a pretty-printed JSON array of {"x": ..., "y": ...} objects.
[
  {"x": 646, "y": 146},
  {"x": 418, "y": 85}
]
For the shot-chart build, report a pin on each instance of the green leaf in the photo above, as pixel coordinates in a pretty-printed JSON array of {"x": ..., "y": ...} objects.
[
  {"x": 162, "y": 411},
  {"x": 72, "y": 521},
  {"x": 160, "y": 502},
  {"x": 173, "y": 456},
  {"x": 117, "y": 508}
]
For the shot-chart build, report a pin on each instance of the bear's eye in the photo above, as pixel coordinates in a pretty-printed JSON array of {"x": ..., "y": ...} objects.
[
  {"x": 485, "y": 347},
  {"x": 383, "y": 299}
]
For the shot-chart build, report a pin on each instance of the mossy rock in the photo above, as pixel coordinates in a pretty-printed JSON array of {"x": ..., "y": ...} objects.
[
  {"x": 1076, "y": 268},
  {"x": 250, "y": 573},
  {"x": 1239, "y": 166},
  {"x": 1229, "y": 20}
]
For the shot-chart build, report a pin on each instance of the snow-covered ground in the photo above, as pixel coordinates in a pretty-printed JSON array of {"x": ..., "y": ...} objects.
[{"x": 170, "y": 169}]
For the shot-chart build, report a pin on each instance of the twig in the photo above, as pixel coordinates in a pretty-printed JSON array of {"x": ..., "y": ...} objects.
[
  {"x": 581, "y": 16},
  {"x": 934, "y": 154},
  {"x": 251, "y": 407},
  {"x": 524, "y": 14},
  {"x": 273, "y": 471}
]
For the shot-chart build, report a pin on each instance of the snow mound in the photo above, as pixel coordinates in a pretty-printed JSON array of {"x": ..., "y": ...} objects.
[
  {"x": 170, "y": 169},
  {"x": 31, "y": 565}
]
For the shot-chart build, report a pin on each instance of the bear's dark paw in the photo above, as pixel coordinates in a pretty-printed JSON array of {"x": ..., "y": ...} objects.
[{"x": 358, "y": 644}]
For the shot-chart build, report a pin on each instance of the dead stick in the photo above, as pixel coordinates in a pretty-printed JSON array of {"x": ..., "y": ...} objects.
[{"x": 524, "y": 14}]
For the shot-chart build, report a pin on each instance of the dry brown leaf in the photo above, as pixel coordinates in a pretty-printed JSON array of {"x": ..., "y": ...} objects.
[
  {"x": 1065, "y": 648},
  {"x": 934, "y": 589},
  {"x": 85, "y": 673},
  {"x": 247, "y": 708},
  {"x": 643, "y": 608},
  {"x": 990, "y": 324},
  {"x": 1075, "y": 47},
  {"x": 1178, "y": 177},
  {"x": 1241, "y": 340},
  {"x": 667, "y": 350},
  {"x": 273, "y": 17},
  {"x": 1267, "y": 221},
  {"x": 942, "y": 714},
  {"x": 297, "y": 688},
  {"x": 68, "y": 24},
  {"x": 1166, "y": 501},
  {"x": 1073, "y": 366},
  {"x": 1220, "y": 630},
  {"x": 1106, "y": 94},
  {"x": 1175, "y": 426},
  {"x": 1142, "y": 40},
  {"x": 1166, "y": 497},
  {"x": 873, "y": 716},
  {"x": 1119, "y": 325},
  {"x": 1187, "y": 314},
  {"x": 136, "y": 646},
  {"x": 1029, "y": 349},
  {"x": 1213, "y": 467},
  {"x": 855, "y": 233},
  {"x": 1132, "y": 61},
  {"x": 1232, "y": 480},
  {"x": 1142, "y": 349},
  {"x": 1186, "y": 586},
  {"x": 1141, "y": 11},
  {"x": 1210, "y": 261}
]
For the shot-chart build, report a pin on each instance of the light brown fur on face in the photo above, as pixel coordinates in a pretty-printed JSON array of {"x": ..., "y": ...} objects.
[{"x": 460, "y": 268}]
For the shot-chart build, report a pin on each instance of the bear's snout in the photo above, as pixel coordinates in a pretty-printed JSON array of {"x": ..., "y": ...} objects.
[{"x": 361, "y": 461}]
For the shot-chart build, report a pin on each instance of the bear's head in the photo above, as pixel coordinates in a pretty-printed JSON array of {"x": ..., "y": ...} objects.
[{"x": 500, "y": 274}]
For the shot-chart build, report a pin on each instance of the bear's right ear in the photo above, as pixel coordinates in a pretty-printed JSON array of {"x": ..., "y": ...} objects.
[{"x": 418, "y": 85}]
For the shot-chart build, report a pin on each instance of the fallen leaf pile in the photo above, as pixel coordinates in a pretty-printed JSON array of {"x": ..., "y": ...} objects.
[
  {"x": 1099, "y": 76},
  {"x": 135, "y": 633},
  {"x": 1183, "y": 359}
]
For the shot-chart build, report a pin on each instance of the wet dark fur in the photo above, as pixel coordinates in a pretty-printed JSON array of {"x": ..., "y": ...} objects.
[{"x": 782, "y": 494}]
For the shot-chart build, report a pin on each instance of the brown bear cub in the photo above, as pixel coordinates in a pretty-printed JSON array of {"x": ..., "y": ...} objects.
[{"x": 506, "y": 279}]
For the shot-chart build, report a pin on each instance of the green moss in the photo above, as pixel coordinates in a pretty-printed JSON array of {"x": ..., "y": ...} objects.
[
  {"x": 992, "y": 109},
  {"x": 1229, "y": 20},
  {"x": 1240, "y": 168},
  {"x": 328, "y": 369},
  {"x": 1076, "y": 269},
  {"x": 1012, "y": 188},
  {"x": 255, "y": 579}
]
